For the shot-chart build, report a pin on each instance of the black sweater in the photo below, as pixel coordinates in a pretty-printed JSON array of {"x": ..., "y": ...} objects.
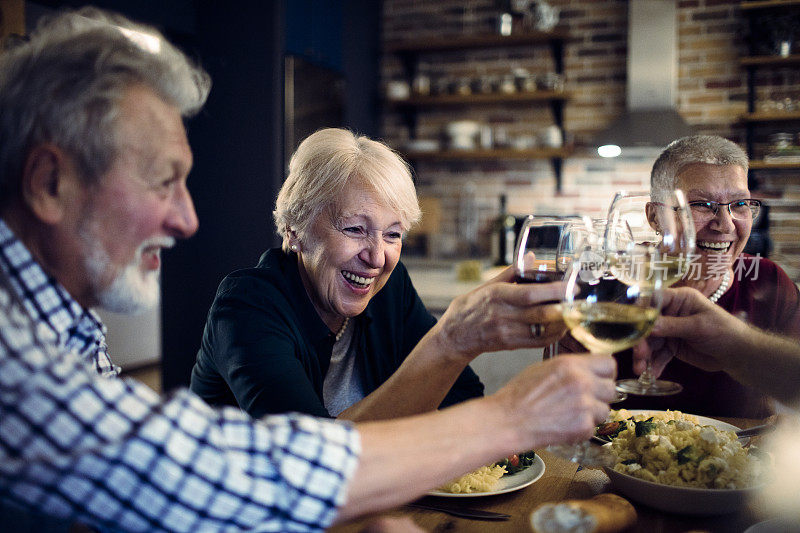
[{"x": 266, "y": 349}]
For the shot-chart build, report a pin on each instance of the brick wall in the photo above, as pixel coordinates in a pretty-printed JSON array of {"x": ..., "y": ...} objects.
[{"x": 712, "y": 93}]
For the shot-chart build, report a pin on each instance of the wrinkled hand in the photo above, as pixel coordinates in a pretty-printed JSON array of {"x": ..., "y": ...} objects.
[
  {"x": 691, "y": 328},
  {"x": 498, "y": 316},
  {"x": 560, "y": 400}
]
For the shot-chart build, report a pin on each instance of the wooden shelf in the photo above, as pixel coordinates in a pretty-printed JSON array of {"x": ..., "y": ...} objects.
[
  {"x": 760, "y": 164},
  {"x": 437, "y": 44},
  {"x": 771, "y": 60},
  {"x": 410, "y": 52},
  {"x": 494, "y": 98},
  {"x": 771, "y": 117},
  {"x": 505, "y": 153},
  {"x": 767, "y": 4}
]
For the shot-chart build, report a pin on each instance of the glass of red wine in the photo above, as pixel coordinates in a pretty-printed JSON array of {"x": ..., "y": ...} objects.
[
  {"x": 545, "y": 250},
  {"x": 537, "y": 258}
]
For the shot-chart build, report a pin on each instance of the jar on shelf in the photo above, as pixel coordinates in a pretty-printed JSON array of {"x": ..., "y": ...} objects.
[
  {"x": 421, "y": 85},
  {"x": 508, "y": 84},
  {"x": 551, "y": 81},
  {"x": 462, "y": 87},
  {"x": 781, "y": 141},
  {"x": 441, "y": 85},
  {"x": 524, "y": 80}
]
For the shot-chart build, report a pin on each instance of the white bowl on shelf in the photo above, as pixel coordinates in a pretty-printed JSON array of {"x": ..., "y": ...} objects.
[
  {"x": 423, "y": 145},
  {"x": 463, "y": 134}
]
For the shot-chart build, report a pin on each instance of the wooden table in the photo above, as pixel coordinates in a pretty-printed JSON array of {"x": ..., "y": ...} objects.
[{"x": 562, "y": 480}]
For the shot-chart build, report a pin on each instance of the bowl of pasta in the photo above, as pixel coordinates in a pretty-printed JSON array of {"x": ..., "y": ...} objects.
[{"x": 682, "y": 463}]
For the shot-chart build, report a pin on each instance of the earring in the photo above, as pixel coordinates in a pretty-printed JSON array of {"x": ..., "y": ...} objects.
[{"x": 293, "y": 247}]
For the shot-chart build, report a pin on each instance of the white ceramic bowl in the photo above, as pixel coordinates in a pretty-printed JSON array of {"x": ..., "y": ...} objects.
[
  {"x": 682, "y": 500},
  {"x": 462, "y": 128}
]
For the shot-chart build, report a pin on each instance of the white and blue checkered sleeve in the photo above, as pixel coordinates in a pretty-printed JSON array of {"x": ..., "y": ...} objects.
[{"x": 111, "y": 454}]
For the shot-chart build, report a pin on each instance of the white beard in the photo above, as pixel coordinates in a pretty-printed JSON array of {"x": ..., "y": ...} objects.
[{"x": 132, "y": 291}]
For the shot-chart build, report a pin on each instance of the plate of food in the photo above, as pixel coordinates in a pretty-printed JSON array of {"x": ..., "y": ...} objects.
[
  {"x": 682, "y": 463},
  {"x": 510, "y": 474}
]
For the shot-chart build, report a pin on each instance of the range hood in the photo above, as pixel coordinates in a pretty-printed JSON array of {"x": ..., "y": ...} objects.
[{"x": 650, "y": 119}]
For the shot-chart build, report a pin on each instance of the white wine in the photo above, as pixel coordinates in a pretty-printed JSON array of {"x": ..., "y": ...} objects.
[
  {"x": 608, "y": 326},
  {"x": 644, "y": 271}
]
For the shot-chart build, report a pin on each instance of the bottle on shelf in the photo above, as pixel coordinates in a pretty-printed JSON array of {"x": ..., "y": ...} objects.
[{"x": 505, "y": 236}]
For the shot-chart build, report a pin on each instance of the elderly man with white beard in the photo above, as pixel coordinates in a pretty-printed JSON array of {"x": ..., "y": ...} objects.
[{"x": 93, "y": 167}]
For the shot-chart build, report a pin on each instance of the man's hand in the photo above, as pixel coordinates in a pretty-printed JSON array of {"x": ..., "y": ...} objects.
[
  {"x": 560, "y": 400},
  {"x": 693, "y": 329}
]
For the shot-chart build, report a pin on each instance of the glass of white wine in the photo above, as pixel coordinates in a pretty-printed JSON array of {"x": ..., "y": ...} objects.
[
  {"x": 606, "y": 316},
  {"x": 648, "y": 241}
]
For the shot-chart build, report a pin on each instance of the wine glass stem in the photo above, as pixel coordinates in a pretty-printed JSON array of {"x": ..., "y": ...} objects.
[
  {"x": 646, "y": 378},
  {"x": 550, "y": 351}
]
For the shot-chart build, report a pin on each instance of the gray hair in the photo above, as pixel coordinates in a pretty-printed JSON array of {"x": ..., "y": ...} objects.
[
  {"x": 64, "y": 85},
  {"x": 709, "y": 149},
  {"x": 325, "y": 163}
]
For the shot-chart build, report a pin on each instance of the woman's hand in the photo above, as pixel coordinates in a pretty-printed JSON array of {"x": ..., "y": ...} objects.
[
  {"x": 560, "y": 400},
  {"x": 500, "y": 315}
]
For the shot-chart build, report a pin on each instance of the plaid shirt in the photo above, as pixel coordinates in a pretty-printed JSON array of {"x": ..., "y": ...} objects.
[
  {"x": 111, "y": 454},
  {"x": 71, "y": 326}
]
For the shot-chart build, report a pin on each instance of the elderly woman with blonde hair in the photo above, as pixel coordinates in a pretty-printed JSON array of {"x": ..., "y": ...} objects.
[{"x": 330, "y": 324}]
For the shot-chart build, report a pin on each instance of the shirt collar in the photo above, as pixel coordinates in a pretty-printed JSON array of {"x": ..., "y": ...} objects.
[{"x": 44, "y": 298}]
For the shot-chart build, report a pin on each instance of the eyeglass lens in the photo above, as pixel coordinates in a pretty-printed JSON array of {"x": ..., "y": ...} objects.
[{"x": 739, "y": 209}]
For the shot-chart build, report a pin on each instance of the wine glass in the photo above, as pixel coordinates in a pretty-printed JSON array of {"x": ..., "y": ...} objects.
[
  {"x": 606, "y": 316},
  {"x": 543, "y": 253},
  {"x": 635, "y": 219},
  {"x": 648, "y": 242}
]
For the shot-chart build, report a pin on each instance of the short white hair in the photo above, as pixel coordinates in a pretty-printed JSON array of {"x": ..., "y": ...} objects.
[
  {"x": 64, "y": 86},
  {"x": 709, "y": 149},
  {"x": 329, "y": 160}
]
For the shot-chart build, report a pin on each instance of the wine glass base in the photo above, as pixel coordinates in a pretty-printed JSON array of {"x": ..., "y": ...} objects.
[
  {"x": 584, "y": 453},
  {"x": 620, "y": 397},
  {"x": 658, "y": 387}
]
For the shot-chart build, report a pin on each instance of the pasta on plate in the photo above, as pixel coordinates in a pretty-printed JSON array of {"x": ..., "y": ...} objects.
[
  {"x": 672, "y": 448},
  {"x": 484, "y": 479}
]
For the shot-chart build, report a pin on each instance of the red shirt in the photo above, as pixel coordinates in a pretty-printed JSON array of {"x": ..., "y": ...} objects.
[{"x": 760, "y": 293}]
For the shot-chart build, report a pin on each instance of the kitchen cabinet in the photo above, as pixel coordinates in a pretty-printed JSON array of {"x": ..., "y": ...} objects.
[
  {"x": 758, "y": 119},
  {"x": 410, "y": 54}
]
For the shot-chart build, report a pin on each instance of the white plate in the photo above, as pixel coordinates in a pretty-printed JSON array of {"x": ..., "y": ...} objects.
[
  {"x": 507, "y": 483},
  {"x": 702, "y": 420},
  {"x": 682, "y": 500}
]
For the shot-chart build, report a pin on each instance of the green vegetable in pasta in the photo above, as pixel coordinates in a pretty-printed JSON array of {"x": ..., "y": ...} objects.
[
  {"x": 645, "y": 427},
  {"x": 686, "y": 454}
]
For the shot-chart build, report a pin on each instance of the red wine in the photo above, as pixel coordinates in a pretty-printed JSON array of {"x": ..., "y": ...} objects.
[{"x": 539, "y": 276}]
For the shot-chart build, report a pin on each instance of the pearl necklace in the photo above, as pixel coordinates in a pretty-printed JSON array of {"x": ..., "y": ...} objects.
[
  {"x": 726, "y": 280},
  {"x": 344, "y": 327}
]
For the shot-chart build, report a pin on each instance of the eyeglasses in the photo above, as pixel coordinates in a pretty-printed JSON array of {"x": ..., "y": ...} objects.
[
  {"x": 361, "y": 233},
  {"x": 738, "y": 209}
]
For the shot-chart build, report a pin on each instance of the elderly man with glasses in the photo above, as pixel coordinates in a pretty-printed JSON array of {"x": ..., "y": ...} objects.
[{"x": 712, "y": 172}]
